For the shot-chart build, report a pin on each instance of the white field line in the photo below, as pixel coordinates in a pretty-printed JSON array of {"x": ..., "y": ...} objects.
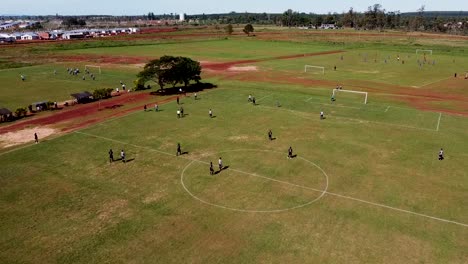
[
  {"x": 388, "y": 107},
  {"x": 335, "y": 105},
  {"x": 438, "y": 121},
  {"x": 427, "y": 84},
  {"x": 354, "y": 119},
  {"x": 309, "y": 99},
  {"x": 288, "y": 183},
  {"x": 60, "y": 135},
  {"x": 266, "y": 96}
]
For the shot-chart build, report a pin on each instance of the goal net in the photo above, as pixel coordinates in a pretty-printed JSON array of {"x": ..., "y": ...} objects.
[
  {"x": 89, "y": 67},
  {"x": 314, "y": 69},
  {"x": 423, "y": 51},
  {"x": 362, "y": 94}
]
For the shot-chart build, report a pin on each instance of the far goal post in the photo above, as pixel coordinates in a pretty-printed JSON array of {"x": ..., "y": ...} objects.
[
  {"x": 87, "y": 67},
  {"x": 335, "y": 91},
  {"x": 317, "y": 68},
  {"x": 423, "y": 51}
]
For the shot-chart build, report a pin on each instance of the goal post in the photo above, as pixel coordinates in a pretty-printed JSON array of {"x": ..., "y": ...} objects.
[
  {"x": 335, "y": 92},
  {"x": 320, "y": 68},
  {"x": 423, "y": 51},
  {"x": 87, "y": 67}
]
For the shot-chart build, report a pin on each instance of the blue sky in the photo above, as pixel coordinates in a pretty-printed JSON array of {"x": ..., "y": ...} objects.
[{"x": 137, "y": 7}]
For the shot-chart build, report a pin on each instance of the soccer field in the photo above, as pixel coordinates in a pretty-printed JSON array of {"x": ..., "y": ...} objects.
[{"x": 365, "y": 185}]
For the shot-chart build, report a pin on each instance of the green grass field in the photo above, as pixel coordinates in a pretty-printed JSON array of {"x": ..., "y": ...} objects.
[{"x": 366, "y": 185}]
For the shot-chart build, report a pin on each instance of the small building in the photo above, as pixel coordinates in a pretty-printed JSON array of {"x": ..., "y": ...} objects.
[
  {"x": 6, "y": 38},
  {"x": 44, "y": 35},
  {"x": 328, "y": 26},
  {"x": 29, "y": 36},
  {"x": 5, "y": 114},
  {"x": 73, "y": 35},
  {"x": 83, "y": 97}
]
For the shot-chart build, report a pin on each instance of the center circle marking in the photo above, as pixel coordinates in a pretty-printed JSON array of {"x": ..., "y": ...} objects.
[{"x": 322, "y": 193}]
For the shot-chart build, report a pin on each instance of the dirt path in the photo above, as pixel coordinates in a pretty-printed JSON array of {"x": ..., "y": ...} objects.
[{"x": 86, "y": 110}]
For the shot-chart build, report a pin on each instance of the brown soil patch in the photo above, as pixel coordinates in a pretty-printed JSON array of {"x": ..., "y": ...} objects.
[
  {"x": 243, "y": 68},
  {"x": 24, "y": 136}
]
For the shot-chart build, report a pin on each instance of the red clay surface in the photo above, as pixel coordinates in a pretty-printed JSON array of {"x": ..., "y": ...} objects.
[{"x": 86, "y": 110}]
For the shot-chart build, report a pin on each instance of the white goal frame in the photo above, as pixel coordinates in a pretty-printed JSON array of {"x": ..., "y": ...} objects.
[
  {"x": 423, "y": 50},
  {"x": 316, "y": 67},
  {"x": 350, "y": 91},
  {"x": 93, "y": 66}
]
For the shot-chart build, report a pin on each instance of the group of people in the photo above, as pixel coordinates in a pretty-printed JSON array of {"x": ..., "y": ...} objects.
[{"x": 111, "y": 156}]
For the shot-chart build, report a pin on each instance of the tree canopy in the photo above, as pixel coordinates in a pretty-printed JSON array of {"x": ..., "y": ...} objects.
[
  {"x": 170, "y": 70},
  {"x": 248, "y": 29}
]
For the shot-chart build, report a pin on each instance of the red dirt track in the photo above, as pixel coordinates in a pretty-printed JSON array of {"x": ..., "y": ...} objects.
[{"x": 85, "y": 110}]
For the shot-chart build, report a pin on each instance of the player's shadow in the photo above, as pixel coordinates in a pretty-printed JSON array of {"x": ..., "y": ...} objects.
[
  {"x": 213, "y": 117},
  {"x": 129, "y": 160},
  {"x": 273, "y": 138},
  {"x": 293, "y": 156},
  {"x": 223, "y": 168},
  {"x": 184, "y": 153}
]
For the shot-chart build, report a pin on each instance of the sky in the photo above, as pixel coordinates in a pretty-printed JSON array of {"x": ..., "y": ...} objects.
[{"x": 139, "y": 7}]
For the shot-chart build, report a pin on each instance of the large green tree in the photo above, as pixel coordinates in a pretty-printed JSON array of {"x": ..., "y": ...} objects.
[
  {"x": 248, "y": 29},
  {"x": 170, "y": 70}
]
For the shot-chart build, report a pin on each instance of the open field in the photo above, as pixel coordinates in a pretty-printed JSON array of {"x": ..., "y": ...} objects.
[{"x": 365, "y": 187}]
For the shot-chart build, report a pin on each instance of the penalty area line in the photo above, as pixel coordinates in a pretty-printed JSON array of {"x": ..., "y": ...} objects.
[
  {"x": 438, "y": 122},
  {"x": 388, "y": 107}
]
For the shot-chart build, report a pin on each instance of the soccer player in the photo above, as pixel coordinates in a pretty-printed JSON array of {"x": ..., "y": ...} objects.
[
  {"x": 220, "y": 164},
  {"x": 178, "y": 113},
  {"x": 111, "y": 156},
  {"x": 177, "y": 99},
  {"x": 122, "y": 155},
  {"x": 270, "y": 135},
  {"x": 210, "y": 113},
  {"x": 179, "y": 151},
  {"x": 156, "y": 108},
  {"x": 253, "y": 100},
  {"x": 144, "y": 108},
  {"x": 195, "y": 96},
  {"x": 322, "y": 115},
  {"x": 181, "y": 112},
  {"x": 290, "y": 152},
  {"x": 211, "y": 168},
  {"x": 23, "y": 78},
  {"x": 250, "y": 98},
  {"x": 441, "y": 154},
  {"x": 36, "y": 138}
]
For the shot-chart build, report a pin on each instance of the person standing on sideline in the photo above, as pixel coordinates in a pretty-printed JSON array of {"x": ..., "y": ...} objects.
[
  {"x": 36, "y": 138},
  {"x": 195, "y": 96},
  {"x": 210, "y": 113},
  {"x": 156, "y": 108},
  {"x": 179, "y": 150},
  {"x": 122, "y": 155},
  {"x": 290, "y": 152},
  {"x": 211, "y": 168},
  {"x": 322, "y": 115},
  {"x": 177, "y": 99},
  {"x": 220, "y": 164},
  {"x": 111, "y": 156},
  {"x": 270, "y": 135},
  {"x": 441, "y": 154},
  {"x": 144, "y": 108}
]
